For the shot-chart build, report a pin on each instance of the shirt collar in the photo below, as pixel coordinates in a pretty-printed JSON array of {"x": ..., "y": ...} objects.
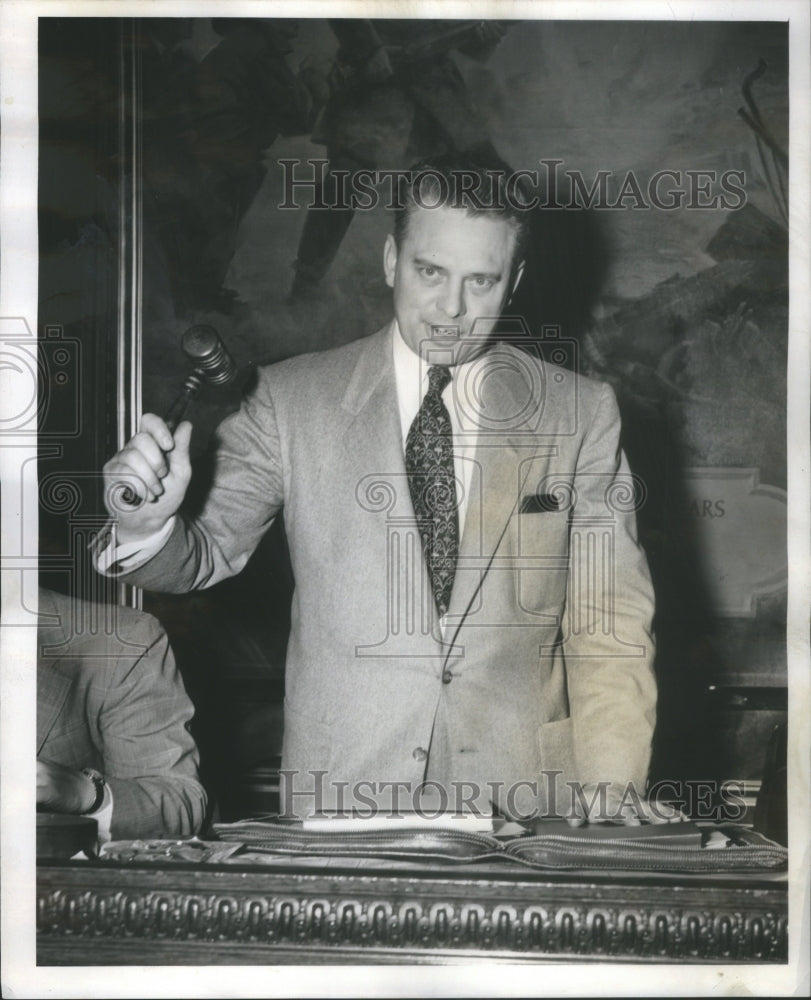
[
  {"x": 411, "y": 372},
  {"x": 412, "y": 381}
]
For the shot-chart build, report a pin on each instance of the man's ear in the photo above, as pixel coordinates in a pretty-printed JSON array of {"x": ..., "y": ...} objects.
[{"x": 390, "y": 260}]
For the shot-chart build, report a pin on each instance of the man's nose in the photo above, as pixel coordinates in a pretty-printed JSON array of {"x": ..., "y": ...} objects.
[{"x": 452, "y": 299}]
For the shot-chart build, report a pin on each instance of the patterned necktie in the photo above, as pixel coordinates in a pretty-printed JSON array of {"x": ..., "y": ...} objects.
[{"x": 431, "y": 482}]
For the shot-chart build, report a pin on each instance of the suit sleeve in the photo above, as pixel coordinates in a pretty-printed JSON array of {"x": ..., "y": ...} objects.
[
  {"x": 150, "y": 759},
  {"x": 246, "y": 493},
  {"x": 608, "y": 641}
]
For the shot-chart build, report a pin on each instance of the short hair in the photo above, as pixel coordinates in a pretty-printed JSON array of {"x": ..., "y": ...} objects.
[{"x": 475, "y": 186}]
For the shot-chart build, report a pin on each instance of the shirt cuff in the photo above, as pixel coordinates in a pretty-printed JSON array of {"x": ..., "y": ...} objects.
[
  {"x": 104, "y": 816},
  {"x": 112, "y": 559}
]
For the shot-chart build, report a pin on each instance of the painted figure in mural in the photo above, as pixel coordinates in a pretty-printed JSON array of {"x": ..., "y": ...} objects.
[
  {"x": 397, "y": 97},
  {"x": 207, "y": 126}
]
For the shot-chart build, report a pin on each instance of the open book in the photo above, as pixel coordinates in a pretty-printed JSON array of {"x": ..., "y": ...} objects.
[{"x": 554, "y": 845}]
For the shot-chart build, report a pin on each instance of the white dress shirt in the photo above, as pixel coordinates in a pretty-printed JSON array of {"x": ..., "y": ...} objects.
[{"x": 411, "y": 377}]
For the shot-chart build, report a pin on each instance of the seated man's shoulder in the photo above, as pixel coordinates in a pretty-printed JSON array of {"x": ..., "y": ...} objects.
[{"x": 92, "y": 633}]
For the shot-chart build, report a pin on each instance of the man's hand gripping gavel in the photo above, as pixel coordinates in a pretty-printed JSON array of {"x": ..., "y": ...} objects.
[{"x": 146, "y": 481}]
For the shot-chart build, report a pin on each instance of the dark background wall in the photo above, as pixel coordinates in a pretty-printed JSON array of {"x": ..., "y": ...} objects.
[{"x": 684, "y": 311}]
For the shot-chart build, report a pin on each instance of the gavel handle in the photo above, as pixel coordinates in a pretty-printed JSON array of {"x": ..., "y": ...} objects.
[
  {"x": 174, "y": 415},
  {"x": 177, "y": 411}
]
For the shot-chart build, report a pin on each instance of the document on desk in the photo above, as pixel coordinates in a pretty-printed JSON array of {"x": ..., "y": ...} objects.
[
  {"x": 387, "y": 814},
  {"x": 684, "y": 847},
  {"x": 683, "y": 834},
  {"x": 398, "y": 822}
]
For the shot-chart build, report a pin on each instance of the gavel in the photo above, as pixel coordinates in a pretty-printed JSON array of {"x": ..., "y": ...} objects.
[{"x": 213, "y": 365}]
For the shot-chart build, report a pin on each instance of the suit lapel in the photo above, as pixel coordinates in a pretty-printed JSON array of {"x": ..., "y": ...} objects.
[
  {"x": 374, "y": 454},
  {"x": 372, "y": 438},
  {"x": 375, "y": 462},
  {"x": 497, "y": 483}
]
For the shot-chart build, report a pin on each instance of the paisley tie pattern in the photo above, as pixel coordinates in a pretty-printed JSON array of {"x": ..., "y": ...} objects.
[{"x": 431, "y": 482}]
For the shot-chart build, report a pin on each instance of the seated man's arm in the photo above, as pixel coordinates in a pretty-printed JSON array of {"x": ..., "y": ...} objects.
[
  {"x": 78, "y": 792},
  {"x": 150, "y": 759},
  {"x": 63, "y": 789}
]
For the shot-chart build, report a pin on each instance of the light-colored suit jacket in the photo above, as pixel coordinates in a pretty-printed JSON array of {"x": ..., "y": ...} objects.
[
  {"x": 544, "y": 662},
  {"x": 110, "y": 698}
]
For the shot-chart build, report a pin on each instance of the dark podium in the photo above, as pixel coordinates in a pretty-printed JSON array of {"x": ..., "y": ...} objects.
[{"x": 332, "y": 910}]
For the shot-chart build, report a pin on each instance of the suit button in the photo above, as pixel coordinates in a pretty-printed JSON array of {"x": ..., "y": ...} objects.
[
  {"x": 447, "y": 676},
  {"x": 420, "y": 754}
]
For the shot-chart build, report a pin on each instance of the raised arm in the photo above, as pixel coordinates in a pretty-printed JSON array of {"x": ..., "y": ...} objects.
[{"x": 215, "y": 540}]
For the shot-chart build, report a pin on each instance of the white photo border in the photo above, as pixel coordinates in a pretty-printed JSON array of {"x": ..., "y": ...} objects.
[{"x": 18, "y": 311}]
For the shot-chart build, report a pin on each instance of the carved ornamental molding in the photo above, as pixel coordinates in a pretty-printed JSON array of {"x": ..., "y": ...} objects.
[{"x": 367, "y": 918}]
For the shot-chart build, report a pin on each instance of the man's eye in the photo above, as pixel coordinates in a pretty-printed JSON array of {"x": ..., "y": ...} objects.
[
  {"x": 483, "y": 283},
  {"x": 428, "y": 271}
]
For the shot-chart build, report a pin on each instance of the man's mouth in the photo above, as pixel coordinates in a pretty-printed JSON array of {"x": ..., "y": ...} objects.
[{"x": 445, "y": 332}]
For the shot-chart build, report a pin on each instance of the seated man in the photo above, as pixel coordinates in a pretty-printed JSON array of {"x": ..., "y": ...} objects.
[{"x": 112, "y": 724}]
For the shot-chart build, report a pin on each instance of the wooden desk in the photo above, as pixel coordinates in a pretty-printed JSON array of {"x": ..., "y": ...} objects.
[{"x": 297, "y": 911}]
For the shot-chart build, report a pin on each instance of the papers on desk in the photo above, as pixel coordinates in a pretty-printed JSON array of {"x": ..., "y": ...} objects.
[
  {"x": 398, "y": 822},
  {"x": 682, "y": 834},
  {"x": 185, "y": 850},
  {"x": 677, "y": 847}
]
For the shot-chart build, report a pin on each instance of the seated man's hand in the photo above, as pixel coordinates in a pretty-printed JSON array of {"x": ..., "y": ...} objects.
[
  {"x": 610, "y": 804},
  {"x": 64, "y": 790}
]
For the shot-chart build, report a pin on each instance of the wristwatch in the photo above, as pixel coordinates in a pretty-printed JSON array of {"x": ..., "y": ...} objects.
[{"x": 99, "y": 783}]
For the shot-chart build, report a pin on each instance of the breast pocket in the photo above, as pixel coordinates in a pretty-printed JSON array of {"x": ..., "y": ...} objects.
[{"x": 541, "y": 547}]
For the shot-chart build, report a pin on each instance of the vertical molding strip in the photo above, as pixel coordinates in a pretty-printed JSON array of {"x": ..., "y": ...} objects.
[{"x": 130, "y": 259}]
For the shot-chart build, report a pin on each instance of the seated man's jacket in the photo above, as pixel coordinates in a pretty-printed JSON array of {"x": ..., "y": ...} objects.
[{"x": 109, "y": 697}]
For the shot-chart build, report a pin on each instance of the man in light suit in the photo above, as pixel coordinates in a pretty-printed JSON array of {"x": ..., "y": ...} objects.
[
  {"x": 521, "y": 653},
  {"x": 112, "y": 717}
]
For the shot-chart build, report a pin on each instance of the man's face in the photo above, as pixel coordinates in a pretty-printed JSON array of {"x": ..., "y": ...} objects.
[{"x": 450, "y": 277}]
